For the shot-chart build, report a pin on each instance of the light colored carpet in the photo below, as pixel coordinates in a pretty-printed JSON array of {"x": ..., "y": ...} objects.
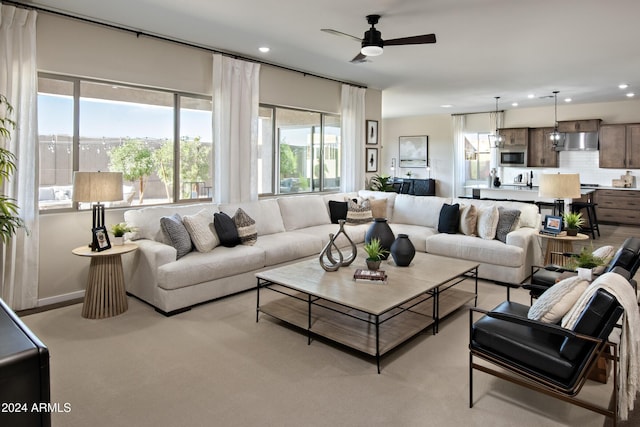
[{"x": 214, "y": 365}]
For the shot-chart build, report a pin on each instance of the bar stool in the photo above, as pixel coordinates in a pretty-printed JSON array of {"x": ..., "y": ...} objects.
[{"x": 590, "y": 209}]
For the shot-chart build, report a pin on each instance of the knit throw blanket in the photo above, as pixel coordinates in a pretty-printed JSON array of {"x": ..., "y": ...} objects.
[{"x": 629, "y": 352}]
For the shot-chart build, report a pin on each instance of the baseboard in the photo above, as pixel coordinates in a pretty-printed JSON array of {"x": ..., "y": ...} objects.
[{"x": 43, "y": 302}]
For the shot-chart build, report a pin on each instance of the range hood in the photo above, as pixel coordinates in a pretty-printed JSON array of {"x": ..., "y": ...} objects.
[{"x": 578, "y": 141}]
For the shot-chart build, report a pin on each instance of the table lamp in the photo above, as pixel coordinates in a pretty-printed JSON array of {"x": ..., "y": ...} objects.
[
  {"x": 559, "y": 186},
  {"x": 97, "y": 187}
]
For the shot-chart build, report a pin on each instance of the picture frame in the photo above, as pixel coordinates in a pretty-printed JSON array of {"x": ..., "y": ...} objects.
[
  {"x": 372, "y": 160},
  {"x": 372, "y": 132},
  {"x": 101, "y": 239},
  {"x": 552, "y": 224},
  {"x": 414, "y": 151}
]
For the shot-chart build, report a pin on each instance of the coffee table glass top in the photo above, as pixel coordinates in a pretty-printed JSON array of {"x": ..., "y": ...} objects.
[{"x": 425, "y": 273}]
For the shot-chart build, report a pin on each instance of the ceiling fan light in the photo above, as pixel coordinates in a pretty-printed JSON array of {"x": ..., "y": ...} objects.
[{"x": 371, "y": 50}]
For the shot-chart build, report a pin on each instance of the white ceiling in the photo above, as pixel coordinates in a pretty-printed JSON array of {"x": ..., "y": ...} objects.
[{"x": 485, "y": 48}]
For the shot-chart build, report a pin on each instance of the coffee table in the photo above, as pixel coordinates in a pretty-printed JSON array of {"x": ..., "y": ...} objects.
[{"x": 371, "y": 317}]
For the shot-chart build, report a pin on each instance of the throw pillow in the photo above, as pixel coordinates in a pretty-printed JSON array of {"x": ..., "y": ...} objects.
[
  {"x": 555, "y": 302},
  {"x": 200, "y": 228},
  {"x": 606, "y": 253},
  {"x": 226, "y": 230},
  {"x": 337, "y": 210},
  {"x": 449, "y": 218},
  {"x": 378, "y": 208},
  {"x": 487, "y": 222},
  {"x": 468, "y": 219},
  {"x": 176, "y": 234},
  {"x": 507, "y": 222},
  {"x": 246, "y": 227},
  {"x": 359, "y": 213}
]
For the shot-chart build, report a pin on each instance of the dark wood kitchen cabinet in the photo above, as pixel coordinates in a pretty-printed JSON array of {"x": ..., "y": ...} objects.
[
  {"x": 515, "y": 137},
  {"x": 540, "y": 152},
  {"x": 620, "y": 146},
  {"x": 618, "y": 206},
  {"x": 591, "y": 125}
]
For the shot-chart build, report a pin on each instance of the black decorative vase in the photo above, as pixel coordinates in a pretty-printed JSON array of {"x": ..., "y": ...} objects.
[
  {"x": 381, "y": 230},
  {"x": 402, "y": 251}
]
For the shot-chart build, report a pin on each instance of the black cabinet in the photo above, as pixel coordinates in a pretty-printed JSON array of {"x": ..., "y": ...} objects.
[
  {"x": 24, "y": 374},
  {"x": 416, "y": 187}
]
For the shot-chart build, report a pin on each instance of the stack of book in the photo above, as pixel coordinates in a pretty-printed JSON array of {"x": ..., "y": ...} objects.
[{"x": 378, "y": 276}]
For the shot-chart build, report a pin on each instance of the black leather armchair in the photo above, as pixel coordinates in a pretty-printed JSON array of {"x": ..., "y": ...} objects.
[
  {"x": 545, "y": 357},
  {"x": 627, "y": 257}
]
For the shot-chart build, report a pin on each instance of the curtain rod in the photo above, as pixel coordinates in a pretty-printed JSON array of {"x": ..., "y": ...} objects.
[
  {"x": 478, "y": 112},
  {"x": 139, "y": 33}
]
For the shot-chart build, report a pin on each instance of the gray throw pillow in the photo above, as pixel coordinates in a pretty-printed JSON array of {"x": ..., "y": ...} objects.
[
  {"x": 507, "y": 222},
  {"x": 176, "y": 233}
]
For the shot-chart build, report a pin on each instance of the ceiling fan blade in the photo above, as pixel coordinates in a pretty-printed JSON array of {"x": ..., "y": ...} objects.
[
  {"x": 359, "y": 58},
  {"x": 426, "y": 38},
  {"x": 340, "y": 33}
]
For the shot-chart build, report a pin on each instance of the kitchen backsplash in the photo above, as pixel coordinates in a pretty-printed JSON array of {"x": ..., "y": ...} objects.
[{"x": 586, "y": 163}]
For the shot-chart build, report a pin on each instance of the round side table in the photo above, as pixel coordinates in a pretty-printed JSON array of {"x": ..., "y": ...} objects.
[
  {"x": 105, "y": 295},
  {"x": 560, "y": 244}
]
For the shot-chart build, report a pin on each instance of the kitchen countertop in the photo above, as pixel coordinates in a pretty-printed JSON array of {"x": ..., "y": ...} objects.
[{"x": 522, "y": 187}]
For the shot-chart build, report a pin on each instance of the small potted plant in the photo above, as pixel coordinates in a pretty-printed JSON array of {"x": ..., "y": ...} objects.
[
  {"x": 572, "y": 221},
  {"x": 585, "y": 262},
  {"x": 118, "y": 231},
  {"x": 375, "y": 252}
]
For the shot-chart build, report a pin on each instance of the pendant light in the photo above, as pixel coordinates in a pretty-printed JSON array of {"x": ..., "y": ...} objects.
[
  {"x": 555, "y": 135},
  {"x": 497, "y": 138}
]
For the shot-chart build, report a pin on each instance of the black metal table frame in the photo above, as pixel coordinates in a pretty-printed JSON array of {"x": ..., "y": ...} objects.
[{"x": 312, "y": 300}]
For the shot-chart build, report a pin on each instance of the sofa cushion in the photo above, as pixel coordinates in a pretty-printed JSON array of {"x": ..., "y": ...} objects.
[
  {"x": 468, "y": 219},
  {"x": 303, "y": 211},
  {"x": 507, "y": 222},
  {"x": 555, "y": 302},
  {"x": 487, "y": 222},
  {"x": 355, "y": 232},
  {"x": 337, "y": 211},
  {"x": 201, "y": 231},
  {"x": 449, "y": 218},
  {"x": 226, "y": 230},
  {"x": 390, "y": 197},
  {"x": 146, "y": 221},
  {"x": 246, "y": 227},
  {"x": 359, "y": 213},
  {"x": 266, "y": 214},
  {"x": 417, "y": 234},
  {"x": 415, "y": 210},
  {"x": 475, "y": 249},
  {"x": 176, "y": 234},
  {"x": 288, "y": 246},
  {"x": 529, "y": 215},
  {"x": 199, "y": 267}
]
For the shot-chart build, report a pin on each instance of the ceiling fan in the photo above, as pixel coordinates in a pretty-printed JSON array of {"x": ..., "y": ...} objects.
[{"x": 372, "y": 43}]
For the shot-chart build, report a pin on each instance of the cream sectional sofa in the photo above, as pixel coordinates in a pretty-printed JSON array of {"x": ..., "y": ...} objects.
[{"x": 292, "y": 228}]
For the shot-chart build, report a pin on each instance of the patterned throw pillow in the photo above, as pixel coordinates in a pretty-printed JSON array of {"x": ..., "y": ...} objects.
[
  {"x": 201, "y": 231},
  {"x": 246, "y": 227},
  {"x": 176, "y": 234},
  {"x": 359, "y": 213},
  {"x": 507, "y": 222},
  {"x": 554, "y": 303}
]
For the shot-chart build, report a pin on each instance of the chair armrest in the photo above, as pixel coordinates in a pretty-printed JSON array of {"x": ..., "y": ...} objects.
[
  {"x": 535, "y": 324},
  {"x": 532, "y": 287}
]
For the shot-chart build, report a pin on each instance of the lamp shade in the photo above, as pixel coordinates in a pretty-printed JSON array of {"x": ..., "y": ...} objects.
[
  {"x": 97, "y": 186},
  {"x": 560, "y": 186}
]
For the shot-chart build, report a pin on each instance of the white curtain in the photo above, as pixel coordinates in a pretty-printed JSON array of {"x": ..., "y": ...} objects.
[
  {"x": 458, "y": 159},
  {"x": 352, "y": 174},
  {"x": 19, "y": 83},
  {"x": 236, "y": 87}
]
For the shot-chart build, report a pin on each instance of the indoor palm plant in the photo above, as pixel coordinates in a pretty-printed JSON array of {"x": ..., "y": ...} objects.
[
  {"x": 572, "y": 221},
  {"x": 10, "y": 222},
  {"x": 375, "y": 252}
]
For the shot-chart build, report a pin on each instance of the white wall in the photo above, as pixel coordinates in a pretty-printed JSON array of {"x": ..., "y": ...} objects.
[{"x": 69, "y": 47}]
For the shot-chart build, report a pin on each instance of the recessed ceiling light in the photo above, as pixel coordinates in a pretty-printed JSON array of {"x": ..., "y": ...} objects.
[
  {"x": 515, "y": 104},
  {"x": 631, "y": 95},
  {"x": 446, "y": 105},
  {"x": 623, "y": 86},
  {"x": 264, "y": 49},
  {"x": 531, "y": 96},
  {"x": 568, "y": 100}
]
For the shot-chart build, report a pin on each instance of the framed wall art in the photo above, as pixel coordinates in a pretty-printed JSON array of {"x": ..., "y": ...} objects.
[
  {"x": 372, "y": 160},
  {"x": 414, "y": 151},
  {"x": 372, "y": 132}
]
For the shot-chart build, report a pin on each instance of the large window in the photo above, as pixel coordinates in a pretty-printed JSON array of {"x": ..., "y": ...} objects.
[
  {"x": 125, "y": 129},
  {"x": 477, "y": 157},
  {"x": 301, "y": 149}
]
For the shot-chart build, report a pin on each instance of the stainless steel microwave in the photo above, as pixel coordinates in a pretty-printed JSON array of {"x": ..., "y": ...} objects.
[{"x": 512, "y": 158}]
